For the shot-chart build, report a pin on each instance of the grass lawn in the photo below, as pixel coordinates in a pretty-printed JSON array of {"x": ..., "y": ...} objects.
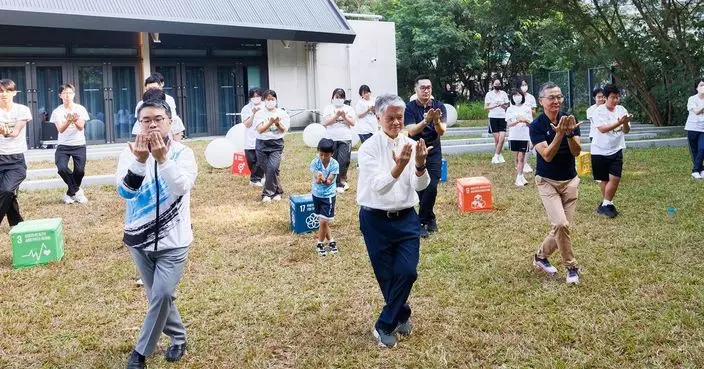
[
  {"x": 472, "y": 123},
  {"x": 93, "y": 167},
  {"x": 255, "y": 296}
]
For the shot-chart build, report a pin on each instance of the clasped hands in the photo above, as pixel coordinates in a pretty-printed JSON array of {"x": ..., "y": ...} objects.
[{"x": 150, "y": 143}]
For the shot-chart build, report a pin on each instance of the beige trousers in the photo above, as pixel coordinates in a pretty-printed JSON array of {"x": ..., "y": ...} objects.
[{"x": 560, "y": 201}]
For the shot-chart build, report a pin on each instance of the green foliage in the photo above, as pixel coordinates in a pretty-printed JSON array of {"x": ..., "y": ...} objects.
[{"x": 472, "y": 110}]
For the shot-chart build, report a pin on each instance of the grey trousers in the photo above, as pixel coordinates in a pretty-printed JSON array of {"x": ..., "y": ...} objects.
[
  {"x": 342, "y": 153},
  {"x": 269, "y": 158},
  {"x": 160, "y": 271}
]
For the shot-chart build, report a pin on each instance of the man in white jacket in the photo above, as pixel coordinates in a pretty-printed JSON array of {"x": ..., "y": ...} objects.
[{"x": 155, "y": 176}]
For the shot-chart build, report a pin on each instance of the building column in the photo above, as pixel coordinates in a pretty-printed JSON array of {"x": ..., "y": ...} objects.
[{"x": 144, "y": 57}]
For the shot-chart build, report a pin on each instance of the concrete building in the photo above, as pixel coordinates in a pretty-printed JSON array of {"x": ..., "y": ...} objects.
[{"x": 210, "y": 53}]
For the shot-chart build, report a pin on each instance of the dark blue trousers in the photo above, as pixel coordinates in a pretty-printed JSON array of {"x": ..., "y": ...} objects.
[
  {"x": 393, "y": 245},
  {"x": 696, "y": 149},
  {"x": 427, "y": 197}
]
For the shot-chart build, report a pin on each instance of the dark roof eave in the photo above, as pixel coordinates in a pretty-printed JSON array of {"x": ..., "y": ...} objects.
[{"x": 76, "y": 21}]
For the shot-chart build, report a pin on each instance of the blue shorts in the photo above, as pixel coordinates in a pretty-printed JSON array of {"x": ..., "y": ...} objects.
[{"x": 324, "y": 207}]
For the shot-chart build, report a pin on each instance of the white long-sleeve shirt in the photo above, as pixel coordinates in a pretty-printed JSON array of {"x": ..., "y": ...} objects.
[
  {"x": 377, "y": 188},
  {"x": 136, "y": 184}
]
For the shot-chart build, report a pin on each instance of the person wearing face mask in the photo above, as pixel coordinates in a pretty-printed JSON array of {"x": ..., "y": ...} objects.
[
  {"x": 155, "y": 175},
  {"x": 530, "y": 99},
  {"x": 250, "y": 142},
  {"x": 518, "y": 117},
  {"x": 425, "y": 119},
  {"x": 338, "y": 121},
  {"x": 599, "y": 99},
  {"x": 367, "y": 124},
  {"x": 695, "y": 128},
  {"x": 272, "y": 123},
  {"x": 496, "y": 102}
]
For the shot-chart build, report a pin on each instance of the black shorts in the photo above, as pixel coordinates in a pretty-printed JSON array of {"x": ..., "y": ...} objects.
[
  {"x": 518, "y": 146},
  {"x": 497, "y": 125},
  {"x": 603, "y": 165},
  {"x": 324, "y": 207}
]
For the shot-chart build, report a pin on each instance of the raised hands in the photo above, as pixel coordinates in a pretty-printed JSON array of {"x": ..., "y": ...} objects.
[
  {"x": 159, "y": 148},
  {"x": 140, "y": 148},
  {"x": 421, "y": 152},
  {"x": 404, "y": 157},
  {"x": 566, "y": 125},
  {"x": 433, "y": 116}
]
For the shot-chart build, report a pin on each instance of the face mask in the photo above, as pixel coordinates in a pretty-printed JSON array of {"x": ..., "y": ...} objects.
[
  {"x": 338, "y": 102},
  {"x": 256, "y": 100},
  {"x": 270, "y": 104},
  {"x": 517, "y": 100},
  {"x": 524, "y": 88},
  {"x": 497, "y": 88}
]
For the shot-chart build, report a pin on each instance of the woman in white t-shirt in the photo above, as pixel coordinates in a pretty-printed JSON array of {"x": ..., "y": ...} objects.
[
  {"x": 518, "y": 117},
  {"x": 13, "y": 144},
  {"x": 695, "y": 128},
  {"x": 338, "y": 119},
  {"x": 530, "y": 99},
  {"x": 70, "y": 120},
  {"x": 367, "y": 123},
  {"x": 251, "y": 133},
  {"x": 496, "y": 102},
  {"x": 272, "y": 123}
]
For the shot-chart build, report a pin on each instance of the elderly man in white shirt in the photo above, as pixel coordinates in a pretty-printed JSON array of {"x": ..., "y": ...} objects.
[{"x": 391, "y": 171}]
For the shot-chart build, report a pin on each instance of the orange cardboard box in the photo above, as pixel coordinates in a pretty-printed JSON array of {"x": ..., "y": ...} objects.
[
  {"x": 239, "y": 164},
  {"x": 584, "y": 163},
  {"x": 474, "y": 194}
]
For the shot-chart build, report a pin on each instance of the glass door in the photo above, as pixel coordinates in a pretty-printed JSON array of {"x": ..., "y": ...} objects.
[
  {"x": 195, "y": 114},
  {"x": 122, "y": 90},
  {"x": 92, "y": 94},
  {"x": 227, "y": 96},
  {"x": 18, "y": 73},
  {"x": 46, "y": 80},
  {"x": 171, "y": 84}
]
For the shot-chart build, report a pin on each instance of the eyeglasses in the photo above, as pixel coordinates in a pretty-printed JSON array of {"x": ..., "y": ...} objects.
[
  {"x": 148, "y": 121},
  {"x": 560, "y": 98},
  {"x": 425, "y": 88}
]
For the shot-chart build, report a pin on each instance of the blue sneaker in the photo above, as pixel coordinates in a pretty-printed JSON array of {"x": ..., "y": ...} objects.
[
  {"x": 544, "y": 264},
  {"x": 572, "y": 275}
]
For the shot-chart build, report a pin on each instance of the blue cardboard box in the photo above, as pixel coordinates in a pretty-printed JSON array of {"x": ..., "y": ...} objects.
[
  {"x": 443, "y": 171},
  {"x": 303, "y": 219}
]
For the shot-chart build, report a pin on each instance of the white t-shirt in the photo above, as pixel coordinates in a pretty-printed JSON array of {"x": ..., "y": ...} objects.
[
  {"x": 610, "y": 142},
  {"x": 590, "y": 116},
  {"x": 519, "y": 132},
  {"x": 72, "y": 136},
  {"x": 14, "y": 145},
  {"x": 494, "y": 98},
  {"x": 530, "y": 101},
  {"x": 250, "y": 140},
  {"x": 368, "y": 124},
  {"x": 273, "y": 133},
  {"x": 695, "y": 122},
  {"x": 339, "y": 131}
]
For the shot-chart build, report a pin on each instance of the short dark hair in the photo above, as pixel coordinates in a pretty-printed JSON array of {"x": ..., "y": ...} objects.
[
  {"x": 326, "y": 145},
  {"x": 339, "y": 92},
  {"x": 7, "y": 85},
  {"x": 496, "y": 79},
  {"x": 154, "y": 94},
  {"x": 420, "y": 78},
  {"x": 517, "y": 92},
  {"x": 155, "y": 77},
  {"x": 696, "y": 83},
  {"x": 155, "y": 103},
  {"x": 611, "y": 89},
  {"x": 268, "y": 93},
  {"x": 255, "y": 91},
  {"x": 519, "y": 83},
  {"x": 597, "y": 91},
  {"x": 65, "y": 86},
  {"x": 364, "y": 89}
]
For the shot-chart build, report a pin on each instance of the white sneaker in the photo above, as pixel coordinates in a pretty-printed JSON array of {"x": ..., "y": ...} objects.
[
  {"x": 527, "y": 168},
  {"x": 495, "y": 160},
  {"x": 340, "y": 190},
  {"x": 518, "y": 182},
  {"x": 501, "y": 159},
  {"x": 701, "y": 173},
  {"x": 524, "y": 180},
  {"x": 80, "y": 196},
  {"x": 139, "y": 282},
  {"x": 696, "y": 175},
  {"x": 256, "y": 184},
  {"x": 266, "y": 199},
  {"x": 346, "y": 186},
  {"x": 68, "y": 200},
  {"x": 277, "y": 198}
]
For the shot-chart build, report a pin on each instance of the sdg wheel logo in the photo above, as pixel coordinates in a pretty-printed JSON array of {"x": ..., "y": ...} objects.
[{"x": 312, "y": 221}]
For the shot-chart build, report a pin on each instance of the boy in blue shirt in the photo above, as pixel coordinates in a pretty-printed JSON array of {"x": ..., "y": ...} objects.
[{"x": 325, "y": 170}]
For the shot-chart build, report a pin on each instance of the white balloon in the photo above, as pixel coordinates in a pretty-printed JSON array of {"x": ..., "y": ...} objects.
[
  {"x": 312, "y": 134},
  {"x": 237, "y": 135},
  {"x": 451, "y": 115},
  {"x": 219, "y": 153}
]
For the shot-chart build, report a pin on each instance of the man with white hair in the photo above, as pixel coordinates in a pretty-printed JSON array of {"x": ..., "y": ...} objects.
[{"x": 391, "y": 170}]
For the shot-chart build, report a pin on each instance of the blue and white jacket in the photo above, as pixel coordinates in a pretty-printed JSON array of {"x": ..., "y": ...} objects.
[{"x": 137, "y": 184}]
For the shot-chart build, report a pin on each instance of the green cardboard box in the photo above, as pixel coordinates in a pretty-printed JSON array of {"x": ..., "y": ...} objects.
[{"x": 37, "y": 242}]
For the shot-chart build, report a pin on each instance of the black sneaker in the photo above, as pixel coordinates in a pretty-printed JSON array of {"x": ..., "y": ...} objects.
[
  {"x": 609, "y": 211},
  {"x": 136, "y": 361},
  {"x": 432, "y": 226},
  {"x": 612, "y": 209},
  {"x": 320, "y": 247},
  {"x": 333, "y": 247},
  {"x": 424, "y": 231}
]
